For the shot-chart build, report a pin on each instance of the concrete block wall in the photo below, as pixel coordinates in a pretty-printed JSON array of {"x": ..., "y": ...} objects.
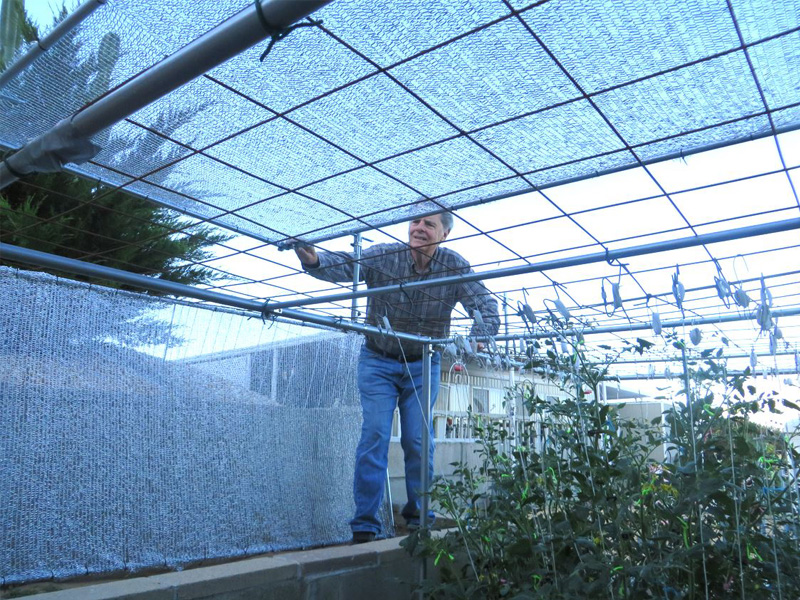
[{"x": 379, "y": 569}]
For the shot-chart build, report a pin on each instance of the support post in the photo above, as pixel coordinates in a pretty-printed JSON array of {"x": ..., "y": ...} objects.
[
  {"x": 425, "y": 484},
  {"x": 356, "y": 274},
  {"x": 695, "y": 458},
  {"x": 505, "y": 324}
]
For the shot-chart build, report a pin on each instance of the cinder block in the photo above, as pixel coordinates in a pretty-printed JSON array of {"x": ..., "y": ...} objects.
[
  {"x": 277, "y": 590},
  {"x": 254, "y": 573},
  {"x": 360, "y": 584},
  {"x": 335, "y": 558},
  {"x": 142, "y": 588}
]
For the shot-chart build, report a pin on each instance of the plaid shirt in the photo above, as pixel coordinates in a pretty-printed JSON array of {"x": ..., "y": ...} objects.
[{"x": 422, "y": 311}]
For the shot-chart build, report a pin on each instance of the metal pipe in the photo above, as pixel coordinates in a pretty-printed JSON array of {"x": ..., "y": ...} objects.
[
  {"x": 778, "y": 312},
  {"x": 356, "y": 274},
  {"x": 228, "y": 39},
  {"x": 678, "y": 358},
  {"x": 505, "y": 324},
  {"x": 661, "y": 377},
  {"x": 70, "y": 265},
  {"x": 427, "y": 352},
  {"x": 611, "y": 255},
  {"x": 425, "y": 466},
  {"x": 43, "y": 45}
]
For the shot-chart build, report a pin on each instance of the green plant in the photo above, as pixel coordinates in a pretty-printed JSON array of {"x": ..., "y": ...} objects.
[
  {"x": 64, "y": 214},
  {"x": 580, "y": 501}
]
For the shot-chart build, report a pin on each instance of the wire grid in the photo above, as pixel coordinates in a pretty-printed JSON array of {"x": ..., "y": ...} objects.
[
  {"x": 142, "y": 432},
  {"x": 416, "y": 118},
  {"x": 461, "y": 104}
]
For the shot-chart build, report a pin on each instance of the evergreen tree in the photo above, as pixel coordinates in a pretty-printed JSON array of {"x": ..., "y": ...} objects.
[{"x": 66, "y": 215}]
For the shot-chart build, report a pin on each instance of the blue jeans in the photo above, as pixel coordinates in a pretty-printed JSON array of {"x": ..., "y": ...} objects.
[{"x": 385, "y": 383}]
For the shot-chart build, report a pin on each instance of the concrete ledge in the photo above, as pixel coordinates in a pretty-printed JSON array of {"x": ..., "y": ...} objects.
[{"x": 380, "y": 569}]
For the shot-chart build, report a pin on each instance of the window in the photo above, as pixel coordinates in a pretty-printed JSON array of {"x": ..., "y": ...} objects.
[{"x": 480, "y": 400}]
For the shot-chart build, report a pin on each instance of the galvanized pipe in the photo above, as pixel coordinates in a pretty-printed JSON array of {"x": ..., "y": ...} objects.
[
  {"x": 225, "y": 41},
  {"x": 611, "y": 255},
  {"x": 778, "y": 312},
  {"x": 425, "y": 484},
  {"x": 661, "y": 377},
  {"x": 356, "y": 274},
  {"x": 70, "y": 265}
]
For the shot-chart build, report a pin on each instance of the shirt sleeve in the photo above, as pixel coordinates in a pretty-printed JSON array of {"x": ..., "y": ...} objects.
[
  {"x": 333, "y": 266},
  {"x": 340, "y": 266},
  {"x": 475, "y": 296}
]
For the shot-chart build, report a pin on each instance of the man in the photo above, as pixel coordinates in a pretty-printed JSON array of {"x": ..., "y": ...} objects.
[{"x": 390, "y": 373}]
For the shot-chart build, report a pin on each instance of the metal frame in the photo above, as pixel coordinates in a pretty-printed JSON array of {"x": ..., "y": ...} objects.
[
  {"x": 70, "y": 265},
  {"x": 597, "y": 257},
  {"x": 228, "y": 39}
]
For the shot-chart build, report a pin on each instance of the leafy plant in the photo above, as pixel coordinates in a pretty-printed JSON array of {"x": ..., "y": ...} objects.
[{"x": 579, "y": 501}]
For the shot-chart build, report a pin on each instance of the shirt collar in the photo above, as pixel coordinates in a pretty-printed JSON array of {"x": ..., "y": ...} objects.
[{"x": 413, "y": 265}]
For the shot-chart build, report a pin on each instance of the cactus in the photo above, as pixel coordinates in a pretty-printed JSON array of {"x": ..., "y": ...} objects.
[
  {"x": 107, "y": 57},
  {"x": 11, "y": 22}
]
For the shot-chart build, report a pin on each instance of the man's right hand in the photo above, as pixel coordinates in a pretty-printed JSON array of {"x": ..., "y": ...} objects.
[{"x": 307, "y": 255}]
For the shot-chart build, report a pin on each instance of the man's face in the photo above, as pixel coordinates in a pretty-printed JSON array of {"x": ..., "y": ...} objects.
[{"x": 426, "y": 233}]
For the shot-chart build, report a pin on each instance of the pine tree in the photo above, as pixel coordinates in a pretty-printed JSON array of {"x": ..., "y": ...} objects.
[{"x": 66, "y": 215}]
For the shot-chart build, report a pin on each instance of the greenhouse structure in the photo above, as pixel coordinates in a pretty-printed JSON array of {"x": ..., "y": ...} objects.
[{"x": 624, "y": 180}]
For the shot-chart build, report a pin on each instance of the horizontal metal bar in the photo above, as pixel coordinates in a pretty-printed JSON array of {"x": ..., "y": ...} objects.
[
  {"x": 70, "y": 265},
  {"x": 678, "y": 375},
  {"x": 653, "y": 248},
  {"x": 224, "y": 41},
  {"x": 645, "y": 361},
  {"x": 77, "y": 17},
  {"x": 731, "y": 318}
]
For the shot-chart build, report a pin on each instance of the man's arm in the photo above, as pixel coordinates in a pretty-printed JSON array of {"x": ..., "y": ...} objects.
[
  {"x": 475, "y": 296},
  {"x": 308, "y": 256},
  {"x": 337, "y": 266}
]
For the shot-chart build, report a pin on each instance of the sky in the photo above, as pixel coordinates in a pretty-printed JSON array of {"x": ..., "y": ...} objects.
[{"x": 41, "y": 11}]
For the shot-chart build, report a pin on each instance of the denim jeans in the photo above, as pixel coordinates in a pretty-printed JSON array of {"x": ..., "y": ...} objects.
[{"x": 384, "y": 384}]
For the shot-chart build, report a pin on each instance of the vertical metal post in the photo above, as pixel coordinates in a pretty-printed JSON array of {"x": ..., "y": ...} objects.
[
  {"x": 690, "y": 407},
  {"x": 505, "y": 324},
  {"x": 356, "y": 274},
  {"x": 425, "y": 483},
  {"x": 426, "y": 433}
]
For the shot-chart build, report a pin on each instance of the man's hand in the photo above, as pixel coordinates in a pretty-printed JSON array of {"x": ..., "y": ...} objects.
[{"x": 307, "y": 255}]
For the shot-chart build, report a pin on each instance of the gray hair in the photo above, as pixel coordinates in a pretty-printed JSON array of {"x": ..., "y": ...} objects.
[{"x": 446, "y": 218}]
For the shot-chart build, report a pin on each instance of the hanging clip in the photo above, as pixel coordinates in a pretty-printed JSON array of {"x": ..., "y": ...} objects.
[
  {"x": 678, "y": 289},
  {"x": 277, "y": 34}
]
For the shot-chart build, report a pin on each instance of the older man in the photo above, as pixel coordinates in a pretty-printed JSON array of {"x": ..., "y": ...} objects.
[{"x": 390, "y": 372}]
